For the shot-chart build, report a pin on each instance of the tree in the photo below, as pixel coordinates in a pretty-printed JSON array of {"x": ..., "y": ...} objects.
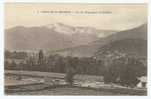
[
  {"x": 41, "y": 57},
  {"x": 7, "y": 54},
  {"x": 7, "y": 64},
  {"x": 13, "y": 64},
  {"x": 70, "y": 70},
  {"x": 70, "y": 75},
  {"x": 131, "y": 71},
  {"x": 124, "y": 70}
]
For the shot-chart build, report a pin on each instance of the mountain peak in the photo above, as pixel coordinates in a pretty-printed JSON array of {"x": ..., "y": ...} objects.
[{"x": 76, "y": 30}]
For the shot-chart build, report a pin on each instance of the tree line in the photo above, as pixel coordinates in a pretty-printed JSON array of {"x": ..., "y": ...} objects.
[{"x": 123, "y": 70}]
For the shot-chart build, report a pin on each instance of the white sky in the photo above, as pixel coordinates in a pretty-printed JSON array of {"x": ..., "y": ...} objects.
[{"x": 122, "y": 16}]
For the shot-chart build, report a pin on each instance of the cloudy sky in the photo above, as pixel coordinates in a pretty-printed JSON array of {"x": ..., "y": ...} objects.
[{"x": 113, "y": 17}]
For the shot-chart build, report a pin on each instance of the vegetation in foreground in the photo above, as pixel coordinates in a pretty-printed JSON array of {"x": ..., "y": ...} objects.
[
  {"x": 70, "y": 90},
  {"x": 115, "y": 67}
]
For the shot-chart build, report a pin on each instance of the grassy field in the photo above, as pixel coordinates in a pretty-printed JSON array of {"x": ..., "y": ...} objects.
[
  {"x": 63, "y": 91},
  {"x": 31, "y": 85},
  {"x": 41, "y": 89}
]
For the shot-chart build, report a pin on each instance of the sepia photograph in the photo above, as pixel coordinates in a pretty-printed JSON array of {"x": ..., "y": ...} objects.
[{"x": 75, "y": 49}]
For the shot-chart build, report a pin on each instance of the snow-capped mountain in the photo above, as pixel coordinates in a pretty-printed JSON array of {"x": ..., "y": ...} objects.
[
  {"x": 72, "y": 30},
  {"x": 51, "y": 36}
]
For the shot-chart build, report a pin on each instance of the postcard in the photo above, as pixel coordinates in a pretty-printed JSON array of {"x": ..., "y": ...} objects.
[{"x": 75, "y": 49}]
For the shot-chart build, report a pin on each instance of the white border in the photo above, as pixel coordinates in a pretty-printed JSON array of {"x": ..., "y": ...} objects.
[
  {"x": 82, "y": 1},
  {"x": 1, "y": 47},
  {"x": 68, "y": 1}
]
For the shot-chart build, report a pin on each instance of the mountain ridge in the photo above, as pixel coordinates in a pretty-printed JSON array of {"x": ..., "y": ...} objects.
[
  {"x": 43, "y": 37},
  {"x": 139, "y": 33}
]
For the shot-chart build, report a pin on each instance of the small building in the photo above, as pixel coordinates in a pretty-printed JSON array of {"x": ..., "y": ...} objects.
[{"x": 143, "y": 82}]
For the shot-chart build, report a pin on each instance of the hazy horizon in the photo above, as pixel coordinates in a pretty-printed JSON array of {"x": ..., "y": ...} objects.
[{"x": 47, "y": 25}]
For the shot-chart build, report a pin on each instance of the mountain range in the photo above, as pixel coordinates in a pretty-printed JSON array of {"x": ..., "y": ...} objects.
[
  {"x": 131, "y": 41},
  {"x": 79, "y": 41},
  {"x": 51, "y": 37}
]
